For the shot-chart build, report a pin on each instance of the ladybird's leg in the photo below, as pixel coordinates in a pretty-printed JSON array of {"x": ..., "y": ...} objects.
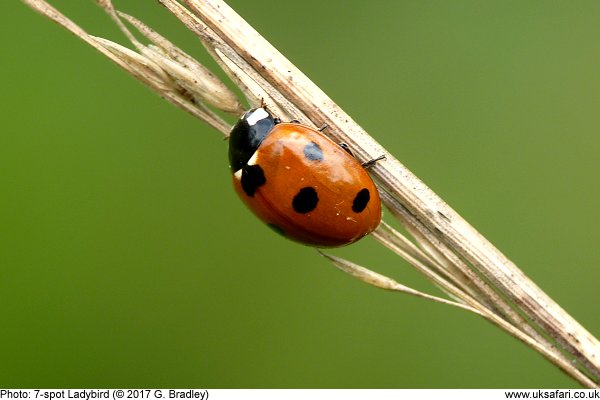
[
  {"x": 263, "y": 104},
  {"x": 370, "y": 163},
  {"x": 297, "y": 121},
  {"x": 367, "y": 164},
  {"x": 346, "y": 148}
]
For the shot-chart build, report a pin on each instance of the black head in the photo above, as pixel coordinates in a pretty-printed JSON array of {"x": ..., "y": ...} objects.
[{"x": 247, "y": 135}]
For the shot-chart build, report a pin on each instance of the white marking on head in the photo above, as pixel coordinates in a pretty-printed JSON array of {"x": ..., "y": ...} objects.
[
  {"x": 256, "y": 115},
  {"x": 252, "y": 160},
  {"x": 238, "y": 174}
]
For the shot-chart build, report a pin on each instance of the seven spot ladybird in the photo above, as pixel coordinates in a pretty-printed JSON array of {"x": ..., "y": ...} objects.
[{"x": 301, "y": 183}]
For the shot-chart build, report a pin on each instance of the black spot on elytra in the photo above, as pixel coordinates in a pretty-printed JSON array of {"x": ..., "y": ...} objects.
[
  {"x": 253, "y": 177},
  {"x": 313, "y": 152},
  {"x": 305, "y": 200},
  {"x": 361, "y": 200}
]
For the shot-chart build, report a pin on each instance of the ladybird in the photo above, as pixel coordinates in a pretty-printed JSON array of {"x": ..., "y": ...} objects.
[{"x": 301, "y": 183}]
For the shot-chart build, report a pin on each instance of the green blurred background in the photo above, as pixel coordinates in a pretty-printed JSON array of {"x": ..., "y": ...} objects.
[{"x": 127, "y": 260}]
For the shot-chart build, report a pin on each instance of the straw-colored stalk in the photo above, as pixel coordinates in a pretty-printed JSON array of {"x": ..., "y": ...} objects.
[{"x": 446, "y": 249}]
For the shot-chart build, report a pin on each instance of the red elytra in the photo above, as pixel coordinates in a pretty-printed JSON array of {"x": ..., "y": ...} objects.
[{"x": 301, "y": 183}]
